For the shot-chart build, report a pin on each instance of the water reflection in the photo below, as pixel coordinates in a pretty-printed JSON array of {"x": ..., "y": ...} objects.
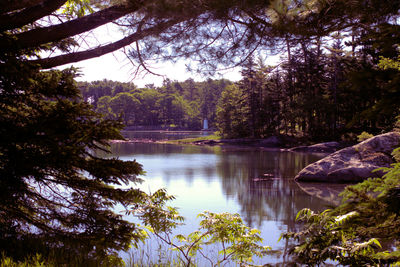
[
  {"x": 325, "y": 191},
  {"x": 132, "y": 149},
  {"x": 262, "y": 182},
  {"x": 255, "y": 183}
]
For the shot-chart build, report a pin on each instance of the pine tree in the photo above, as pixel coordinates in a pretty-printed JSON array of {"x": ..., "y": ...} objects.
[{"x": 57, "y": 198}]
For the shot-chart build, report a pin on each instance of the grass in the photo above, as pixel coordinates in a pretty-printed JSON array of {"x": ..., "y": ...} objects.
[
  {"x": 145, "y": 256},
  {"x": 196, "y": 139},
  {"x": 34, "y": 261}
]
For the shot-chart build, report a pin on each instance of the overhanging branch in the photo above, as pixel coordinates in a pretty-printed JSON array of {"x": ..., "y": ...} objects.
[
  {"x": 36, "y": 37},
  {"x": 47, "y": 63},
  {"x": 29, "y": 15},
  {"x": 12, "y": 5}
]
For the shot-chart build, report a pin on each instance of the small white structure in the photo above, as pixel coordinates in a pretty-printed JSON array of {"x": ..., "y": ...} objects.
[{"x": 205, "y": 124}]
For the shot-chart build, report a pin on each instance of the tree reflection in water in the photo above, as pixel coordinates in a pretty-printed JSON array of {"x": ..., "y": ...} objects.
[
  {"x": 256, "y": 183},
  {"x": 262, "y": 182}
]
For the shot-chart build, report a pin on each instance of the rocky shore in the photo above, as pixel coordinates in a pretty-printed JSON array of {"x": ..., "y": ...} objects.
[
  {"x": 353, "y": 164},
  {"x": 344, "y": 163},
  {"x": 283, "y": 142}
]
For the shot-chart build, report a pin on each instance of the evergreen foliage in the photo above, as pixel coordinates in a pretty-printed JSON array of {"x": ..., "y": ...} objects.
[
  {"x": 57, "y": 197},
  {"x": 318, "y": 93}
]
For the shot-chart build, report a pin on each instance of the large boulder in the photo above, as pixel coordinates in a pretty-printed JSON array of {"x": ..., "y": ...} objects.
[{"x": 353, "y": 164}]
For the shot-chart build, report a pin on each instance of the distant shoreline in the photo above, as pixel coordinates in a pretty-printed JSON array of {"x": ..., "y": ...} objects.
[{"x": 284, "y": 143}]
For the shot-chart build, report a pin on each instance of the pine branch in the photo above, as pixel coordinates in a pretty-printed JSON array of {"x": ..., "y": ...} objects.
[
  {"x": 54, "y": 33},
  {"x": 47, "y": 63},
  {"x": 12, "y": 5},
  {"x": 28, "y": 15}
]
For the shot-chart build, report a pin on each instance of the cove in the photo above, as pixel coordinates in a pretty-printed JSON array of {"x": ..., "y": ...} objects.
[{"x": 227, "y": 179}]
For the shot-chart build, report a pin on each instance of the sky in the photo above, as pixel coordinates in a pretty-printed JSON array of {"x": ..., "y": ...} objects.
[{"x": 117, "y": 67}]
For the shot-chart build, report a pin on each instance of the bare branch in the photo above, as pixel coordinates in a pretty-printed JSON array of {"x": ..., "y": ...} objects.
[{"x": 142, "y": 63}]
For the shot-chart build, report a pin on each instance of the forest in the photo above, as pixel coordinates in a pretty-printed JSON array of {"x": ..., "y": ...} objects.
[
  {"x": 338, "y": 76},
  {"x": 182, "y": 105},
  {"x": 325, "y": 89}
]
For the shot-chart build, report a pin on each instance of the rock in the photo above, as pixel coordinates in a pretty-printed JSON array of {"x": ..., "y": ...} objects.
[
  {"x": 327, "y": 147},
  {"x": 353, "y": 164}
]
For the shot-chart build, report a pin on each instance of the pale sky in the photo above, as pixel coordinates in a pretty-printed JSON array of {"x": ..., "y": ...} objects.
[{"x": 117, "y": 67}]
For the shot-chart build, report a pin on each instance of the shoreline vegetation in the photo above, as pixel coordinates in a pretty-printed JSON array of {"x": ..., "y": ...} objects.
[
  {"x": 343, "y": 162},
  {"x": 281, "y": 142}
]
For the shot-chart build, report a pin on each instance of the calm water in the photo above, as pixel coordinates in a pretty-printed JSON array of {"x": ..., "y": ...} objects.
[{"x": 225, "y": 179}]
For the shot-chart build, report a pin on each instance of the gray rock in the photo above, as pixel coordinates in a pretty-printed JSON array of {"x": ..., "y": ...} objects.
[{"x": 353, "y": 164}]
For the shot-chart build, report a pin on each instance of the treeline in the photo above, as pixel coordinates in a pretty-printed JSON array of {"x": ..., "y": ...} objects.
[
  {"x": 321, "y": 89},
  {"x": 182, "y": 105}
]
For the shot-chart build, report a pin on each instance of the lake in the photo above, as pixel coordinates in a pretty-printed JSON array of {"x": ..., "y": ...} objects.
[{"x": 227, "y": 179}]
